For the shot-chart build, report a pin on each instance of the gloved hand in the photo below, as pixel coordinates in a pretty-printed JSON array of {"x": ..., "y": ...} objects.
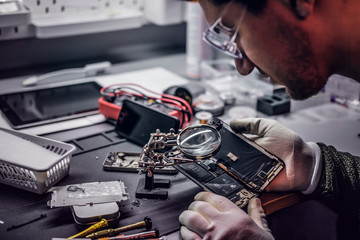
[
  {"x": 302, "y": 160},
  {"x": 213, "y": 216}
]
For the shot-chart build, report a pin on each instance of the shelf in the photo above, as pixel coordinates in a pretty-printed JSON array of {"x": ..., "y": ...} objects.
[{"x": 70, "y": 25}]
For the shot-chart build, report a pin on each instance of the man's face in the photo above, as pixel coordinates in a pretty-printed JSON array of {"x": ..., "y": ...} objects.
[{"x": 276, "y": 42}]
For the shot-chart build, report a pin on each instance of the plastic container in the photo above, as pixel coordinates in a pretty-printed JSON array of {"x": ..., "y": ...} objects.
[
  {"x": 196, "y": 49},
  {"x": 164, "y": 12},
  {"x": 32, "y": 163},
  {"x": 13, "y": 13}
]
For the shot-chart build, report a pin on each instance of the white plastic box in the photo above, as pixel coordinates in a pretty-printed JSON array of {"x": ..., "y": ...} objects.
[
  {"x": 13, "y": 13},
  {"x": 32, "y": 163},
  {"x": 164, "y": 12}
]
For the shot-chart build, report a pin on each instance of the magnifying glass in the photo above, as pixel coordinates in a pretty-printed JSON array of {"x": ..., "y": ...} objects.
[{"x": 199, "y": 141}]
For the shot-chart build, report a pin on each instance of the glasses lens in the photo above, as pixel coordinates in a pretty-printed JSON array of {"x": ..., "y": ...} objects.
[
  {"x": 220, "y": 37},
  {"x": 199, "y": 141}
]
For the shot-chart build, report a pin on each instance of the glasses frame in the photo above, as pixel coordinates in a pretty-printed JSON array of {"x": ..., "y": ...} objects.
[{"x": 214, "y": 36}]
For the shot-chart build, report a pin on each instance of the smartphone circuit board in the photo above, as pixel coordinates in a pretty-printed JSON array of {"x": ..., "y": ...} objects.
[{"x": 239, "y": 170}]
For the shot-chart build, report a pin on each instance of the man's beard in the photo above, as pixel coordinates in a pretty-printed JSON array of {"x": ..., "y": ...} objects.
[
  {"x": 303, "y": 76},
  {"x": 301, "y": 88}
]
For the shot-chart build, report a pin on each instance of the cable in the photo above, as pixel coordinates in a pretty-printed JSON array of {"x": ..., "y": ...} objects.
[
  {"x": 89, "y": 70},
  {"x": 178, "y": 104}
]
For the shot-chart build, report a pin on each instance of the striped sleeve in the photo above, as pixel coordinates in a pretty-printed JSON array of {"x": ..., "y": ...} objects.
[{"x": 339, "y": 184}]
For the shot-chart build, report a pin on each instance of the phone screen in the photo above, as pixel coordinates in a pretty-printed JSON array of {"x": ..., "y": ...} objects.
[
  {"x": 136, "y": 122},
  {"x": 36, "y": 107}
]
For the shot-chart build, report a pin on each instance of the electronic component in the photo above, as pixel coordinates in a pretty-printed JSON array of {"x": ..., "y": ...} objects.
[
  {"x": 198, "y": 172},
  {"x": 87, "y": 194},
  {"x": 253, "y": 161},
  {"x": 214, "y": 179},
  {"x": 218, "y": 159},
  {"x": 110, "y": 104},
  {"x": 209, "y": 103},
  {"x": 137, "y": 121},
  {"x": 228, "y": 97},
  {"x": 223, "y": 185},
  {"x": 188, "y": 91},
  {"x": 129, "y": 162},
  {"x": 273, "y": 105},
  {"x": 203, "y": 117}
]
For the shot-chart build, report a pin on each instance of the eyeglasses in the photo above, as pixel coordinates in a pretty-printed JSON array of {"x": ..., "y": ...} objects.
[{"x": 223, "y": 38}]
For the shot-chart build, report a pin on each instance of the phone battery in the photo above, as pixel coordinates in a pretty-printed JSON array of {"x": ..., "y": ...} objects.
[{"x": 223, "y": 185}]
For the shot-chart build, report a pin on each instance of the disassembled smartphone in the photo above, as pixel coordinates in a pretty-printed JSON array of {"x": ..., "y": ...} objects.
[
  {"x": 129, "y": 162},
  {"x": 239, "y": 169},
  {"x": 213, "y": 156}
]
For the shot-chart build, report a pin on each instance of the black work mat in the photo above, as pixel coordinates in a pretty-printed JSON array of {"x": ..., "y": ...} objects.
[
  {"x": 303, "y": 221},
  {"x": 19, "y": 206}
]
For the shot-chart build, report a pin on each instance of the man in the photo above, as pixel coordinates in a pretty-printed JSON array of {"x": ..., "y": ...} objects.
[{"x": 299, "y": 44}]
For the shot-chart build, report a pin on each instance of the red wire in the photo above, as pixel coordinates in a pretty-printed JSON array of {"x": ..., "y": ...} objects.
[
  {"x": 164, "y": 97},
  {"x": 182, "y": 108},
  {"x": 182, "y": 101},
  {"x": 163, "y": 94}
]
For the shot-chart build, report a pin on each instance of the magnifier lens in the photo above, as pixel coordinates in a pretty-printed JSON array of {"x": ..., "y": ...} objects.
[{"x": 199, "y": 141}]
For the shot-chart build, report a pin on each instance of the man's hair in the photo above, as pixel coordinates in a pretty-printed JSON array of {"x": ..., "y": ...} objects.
[{"x": 253, "y": 6}]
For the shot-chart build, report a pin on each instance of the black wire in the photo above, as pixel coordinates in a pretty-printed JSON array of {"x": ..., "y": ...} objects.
[
  {"x": 183, "y": 104},
  {"x": 145, "y": 97},
  {"x": 179, "y": 110}
]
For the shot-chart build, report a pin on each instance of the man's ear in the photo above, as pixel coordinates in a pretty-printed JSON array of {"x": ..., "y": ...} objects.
[{"x": 302, "y": 8}]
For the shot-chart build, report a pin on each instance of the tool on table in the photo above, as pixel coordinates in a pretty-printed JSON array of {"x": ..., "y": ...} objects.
[
  {"x": 28, "y": 222},
  {"x": 103, "y": 223},
  {"x": 147, "y": 223},
  {"x": 143, "y": 235}
]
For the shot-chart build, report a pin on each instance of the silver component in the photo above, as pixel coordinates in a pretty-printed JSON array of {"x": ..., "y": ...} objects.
[
  {"x": 209, "y": 103},
  {"x": 228, "y": 98},
  {"x": 87, "y": 193},
  {"x": 232, "y": 156}
]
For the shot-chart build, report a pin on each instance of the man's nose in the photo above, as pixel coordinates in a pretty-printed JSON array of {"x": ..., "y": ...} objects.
[{"x": 244, "y": 66}]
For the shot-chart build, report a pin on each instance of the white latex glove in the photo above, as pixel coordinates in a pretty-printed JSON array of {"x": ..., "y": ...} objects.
[
  {"x": 214, "y": 217},
  {"x": 302, "y": 160}
]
